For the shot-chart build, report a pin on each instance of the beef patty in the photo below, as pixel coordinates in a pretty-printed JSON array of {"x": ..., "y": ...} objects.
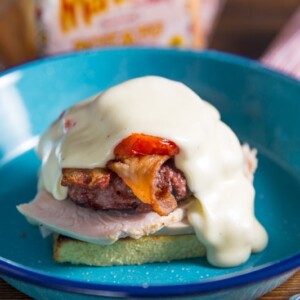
[{"x": 102, "y": 189}]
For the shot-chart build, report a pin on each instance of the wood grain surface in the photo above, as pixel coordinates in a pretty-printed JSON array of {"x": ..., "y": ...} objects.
[{"x": 283, "y": 292}]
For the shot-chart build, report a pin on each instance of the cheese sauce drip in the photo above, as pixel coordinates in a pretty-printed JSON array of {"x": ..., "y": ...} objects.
[{"x": 210, "y": 157}]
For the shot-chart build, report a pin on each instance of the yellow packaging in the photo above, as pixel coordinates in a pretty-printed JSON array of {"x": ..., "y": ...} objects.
[{"x": 69, "y": 25}]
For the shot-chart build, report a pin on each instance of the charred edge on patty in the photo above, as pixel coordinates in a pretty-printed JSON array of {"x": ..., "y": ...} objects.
[{"x": 102, "y": 189}]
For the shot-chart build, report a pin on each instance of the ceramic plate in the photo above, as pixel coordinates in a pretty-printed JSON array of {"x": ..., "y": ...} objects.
[{"x": 261, "y": 106}]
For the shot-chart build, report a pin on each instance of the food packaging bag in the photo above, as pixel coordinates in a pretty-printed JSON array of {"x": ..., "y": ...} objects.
[{"x": 68, "y": 25}]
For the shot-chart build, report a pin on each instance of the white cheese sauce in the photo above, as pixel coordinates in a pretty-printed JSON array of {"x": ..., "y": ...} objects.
[{"x": 210, "y": 156}]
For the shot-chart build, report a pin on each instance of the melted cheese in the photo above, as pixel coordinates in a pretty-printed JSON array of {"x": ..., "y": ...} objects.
[{"x": 210, "y": 157}]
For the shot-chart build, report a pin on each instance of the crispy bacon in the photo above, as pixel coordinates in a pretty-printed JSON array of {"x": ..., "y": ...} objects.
[
  {"x": 138, "y": 144},
  {"x": 141, "y": 175},
  {"x": 87, "y": 178}
]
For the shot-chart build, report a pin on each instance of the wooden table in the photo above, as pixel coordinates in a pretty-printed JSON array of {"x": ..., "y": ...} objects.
[{"x": 283, "y": 292}]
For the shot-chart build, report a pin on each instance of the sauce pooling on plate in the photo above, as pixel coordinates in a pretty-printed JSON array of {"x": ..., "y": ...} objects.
[{"x": 210, "y": 156}]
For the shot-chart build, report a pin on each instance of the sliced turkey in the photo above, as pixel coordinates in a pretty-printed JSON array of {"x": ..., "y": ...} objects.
[{"x": 102, "y": 227}]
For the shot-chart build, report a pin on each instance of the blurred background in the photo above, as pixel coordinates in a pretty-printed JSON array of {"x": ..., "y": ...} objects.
[{"x": 267, "y": 30}]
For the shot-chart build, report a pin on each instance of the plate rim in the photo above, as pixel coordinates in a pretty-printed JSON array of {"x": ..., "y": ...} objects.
[
  {"x": 208, "y": 53},
  {"x": 264, "y": 272}
]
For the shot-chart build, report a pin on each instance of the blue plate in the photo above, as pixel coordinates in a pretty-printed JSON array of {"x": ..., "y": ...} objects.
[{"x": 262, "y": 107}]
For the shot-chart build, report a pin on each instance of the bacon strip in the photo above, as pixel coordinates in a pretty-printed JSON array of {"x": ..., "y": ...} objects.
[
  {"x": 87, "y": 178},
  {"x": 140, "y": 174}
]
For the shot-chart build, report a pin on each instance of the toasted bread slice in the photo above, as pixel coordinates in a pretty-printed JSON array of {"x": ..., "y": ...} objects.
[{"x": 127, "y": 251}]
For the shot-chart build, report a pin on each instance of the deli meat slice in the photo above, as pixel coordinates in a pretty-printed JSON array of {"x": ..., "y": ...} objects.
[{"x": 102, "y": 227}]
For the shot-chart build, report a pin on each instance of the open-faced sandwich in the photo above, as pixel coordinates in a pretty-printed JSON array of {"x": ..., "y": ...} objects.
[{"x": 144, "y": 172}]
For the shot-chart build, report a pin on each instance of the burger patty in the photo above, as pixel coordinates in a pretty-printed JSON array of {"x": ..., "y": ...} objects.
[{"x": 102, "y": 189}]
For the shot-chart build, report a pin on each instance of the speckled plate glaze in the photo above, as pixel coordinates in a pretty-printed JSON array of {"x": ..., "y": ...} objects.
[{"x": 262, "y": 107}]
